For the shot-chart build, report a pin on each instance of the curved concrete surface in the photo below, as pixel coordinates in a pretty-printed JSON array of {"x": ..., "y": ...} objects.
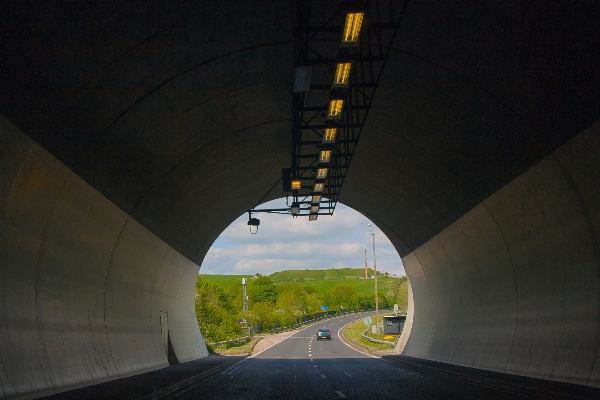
[
  {"x": 513, "y": 285},
  {"x": 83, "y": 285},
  {"x": 132, "y": 135}
]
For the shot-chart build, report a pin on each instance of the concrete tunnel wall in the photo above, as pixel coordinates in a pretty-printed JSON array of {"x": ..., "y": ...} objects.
[
  {"x": 82, "y": 284},
  {"x": 513, "y": 286}
]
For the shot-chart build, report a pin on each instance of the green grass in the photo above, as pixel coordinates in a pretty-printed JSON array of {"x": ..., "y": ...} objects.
[
  {"x": 319, "y": 274},
  {"x": 235, "y": 349},
  {"x": 353, "y": 333},
  {"x": 362, "y": 287}
]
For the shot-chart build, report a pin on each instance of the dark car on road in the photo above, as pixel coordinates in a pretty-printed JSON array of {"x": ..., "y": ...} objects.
[{"x": 323, "y": 334}]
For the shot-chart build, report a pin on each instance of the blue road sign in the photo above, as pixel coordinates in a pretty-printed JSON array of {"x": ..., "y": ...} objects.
[{"x": 324, "y": 308}]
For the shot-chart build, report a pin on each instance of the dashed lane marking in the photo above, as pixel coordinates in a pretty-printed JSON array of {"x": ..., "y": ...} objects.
[{"x": 340, "y": 394}]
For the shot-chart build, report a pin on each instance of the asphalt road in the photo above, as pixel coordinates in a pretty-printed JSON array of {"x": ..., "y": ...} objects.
[{"x": 300, "y": 367}]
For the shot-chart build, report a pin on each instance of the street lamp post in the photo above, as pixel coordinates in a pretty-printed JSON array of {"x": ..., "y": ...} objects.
[{"x": 372, "y": 232}]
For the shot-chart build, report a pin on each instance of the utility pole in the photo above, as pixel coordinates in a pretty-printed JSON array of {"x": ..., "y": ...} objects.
[
  {"x": 366, "y": 267},
  {"x": 372, "y": 232},
  {"x": 245, "y": 296}
]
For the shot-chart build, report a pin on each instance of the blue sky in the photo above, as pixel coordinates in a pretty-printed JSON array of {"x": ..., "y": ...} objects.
[{"x": 284, "y": 243}]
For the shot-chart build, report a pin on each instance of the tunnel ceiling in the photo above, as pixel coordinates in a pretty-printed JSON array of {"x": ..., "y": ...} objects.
[{"x": 180, "y": 112}]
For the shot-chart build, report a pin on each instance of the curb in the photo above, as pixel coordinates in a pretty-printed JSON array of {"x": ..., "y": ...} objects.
[{"x": 188, "y": 383}]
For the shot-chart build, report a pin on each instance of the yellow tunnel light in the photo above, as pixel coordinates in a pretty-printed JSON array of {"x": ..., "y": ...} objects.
[
  {"x": 342, "y": 74},
  {"x": 352, "y": 27},
  {"x": 316, "y": 198},
  {"x": 321, "y": 173},
  {"x": 313, "y": 217},
  {"x": 296, "y": 185},
  {"x": 318, "y": 188},
  {"x": 314, "y": 209},
  {"x": 330, "y": 134},
  {"x": 335, "y": 108},
  {"x": 324, "y": 156}
]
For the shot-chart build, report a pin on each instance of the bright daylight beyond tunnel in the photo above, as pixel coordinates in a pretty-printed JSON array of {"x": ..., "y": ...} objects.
[{"x": 296, "y": 271}]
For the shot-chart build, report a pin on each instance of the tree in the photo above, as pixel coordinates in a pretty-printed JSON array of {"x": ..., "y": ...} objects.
[
  {"x": 262, "y": 290},
  {"x": 215, "y": 312}
]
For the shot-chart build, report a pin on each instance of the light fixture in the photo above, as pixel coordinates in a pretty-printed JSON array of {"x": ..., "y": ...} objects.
[
  {"x": 316, "y": 198},
  {"x": 352, "y": 27},
  {"x": 335, "y": 108},
  {"x": 330, "y": 134},
  {"x": 296, "y": 185},
  {"x": 342, "y": 74},
  {"x": 295, "y": 208},
  {"x": 318, "y": 187},
  {"x": 313, "y": 217},
  {"x": 324, "y": 156},
  {"x": 302, "y": 79},
  {"x": 321, "y": 173},
  {"x": 314, "y": 209}
]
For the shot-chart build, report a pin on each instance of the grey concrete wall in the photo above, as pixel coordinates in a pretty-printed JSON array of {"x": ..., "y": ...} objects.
[
  {"x": 514, "y": 285},
  {"x": 82, "y": 284}
]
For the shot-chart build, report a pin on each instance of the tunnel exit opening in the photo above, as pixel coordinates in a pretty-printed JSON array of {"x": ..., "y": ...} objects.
[{"x": 298, "y": 272}]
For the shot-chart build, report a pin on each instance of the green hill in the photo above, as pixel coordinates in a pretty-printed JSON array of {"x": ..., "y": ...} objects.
[
  {"x": 307, "y": 275},
  {"x": 226, "y": 281}
]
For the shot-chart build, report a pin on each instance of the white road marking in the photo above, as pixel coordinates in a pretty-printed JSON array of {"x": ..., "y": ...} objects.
[
  {"x": 323, "y": 376},
  {"x": 343, "y": 341},
  {"x": 340, "y": 394}
]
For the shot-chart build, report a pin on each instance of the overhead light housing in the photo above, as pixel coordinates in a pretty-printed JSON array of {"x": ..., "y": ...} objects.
[
  {"x": 325, "y": 156},
  {"x": 316, "y": 198},
  {"x": 321, "y": 173},
  {"x": 314, "y": 209},
  {"x": 352, "y": 27},
  {"x": 302, "y": 79},
  {"x": 342, "y": 74},
  {"x": 295, "y": 208},
  {"x": 318, "y": 188},
  {"x": 313, "y": 217},
  {"x": 329, "y": 135},
  {"x": 296, "y": 185},
  {"x": 335, "y": 108}
]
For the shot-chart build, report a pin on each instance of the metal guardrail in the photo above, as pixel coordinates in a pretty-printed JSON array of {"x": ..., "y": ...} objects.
[{"x": 376, "y": 340}]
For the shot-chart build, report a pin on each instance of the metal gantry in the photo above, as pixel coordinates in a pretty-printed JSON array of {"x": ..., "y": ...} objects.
[{"x": 339, "y": 61}]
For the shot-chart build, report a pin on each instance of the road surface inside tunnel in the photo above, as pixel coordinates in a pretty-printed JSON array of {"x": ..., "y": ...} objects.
[{"x": 302, "y": 367}]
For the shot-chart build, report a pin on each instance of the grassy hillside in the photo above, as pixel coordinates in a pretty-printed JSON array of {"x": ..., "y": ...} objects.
[
  {"x": 226, "y": 281},
  {"x": 362, "y": 287},
  {"x": 319, "y": 274}
]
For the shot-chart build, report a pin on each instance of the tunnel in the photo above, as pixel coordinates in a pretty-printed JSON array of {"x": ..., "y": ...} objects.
[{"x": 133, "y": 133}]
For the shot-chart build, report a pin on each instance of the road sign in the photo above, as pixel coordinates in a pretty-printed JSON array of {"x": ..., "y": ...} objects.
[
  {"x": 366, "y": 321},
  {"x": 370, "y": 320},
  {"x": 324, "y": 308},
  {"x": 242, "y": 321},
  {"x": 395, "y": 307}
]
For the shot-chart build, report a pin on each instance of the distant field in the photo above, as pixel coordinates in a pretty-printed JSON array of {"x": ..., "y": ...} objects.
[
  {"x": 225, "y": 281},
  {"x": 302, "y": 275},
  {"x": 362, "y": 287}
]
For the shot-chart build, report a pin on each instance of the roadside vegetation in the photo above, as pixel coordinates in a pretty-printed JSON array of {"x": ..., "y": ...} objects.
[
  {"x": 235, "y": 349},
  {"x": 353, "y": 333},
  {"x": 219, "y": 301}
]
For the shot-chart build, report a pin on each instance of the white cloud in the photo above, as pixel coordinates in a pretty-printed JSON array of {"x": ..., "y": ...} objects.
[{"x": 284, "y": 243}]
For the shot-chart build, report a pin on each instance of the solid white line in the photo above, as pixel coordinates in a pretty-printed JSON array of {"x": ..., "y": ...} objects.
[{"x": 340, "y": 336}]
